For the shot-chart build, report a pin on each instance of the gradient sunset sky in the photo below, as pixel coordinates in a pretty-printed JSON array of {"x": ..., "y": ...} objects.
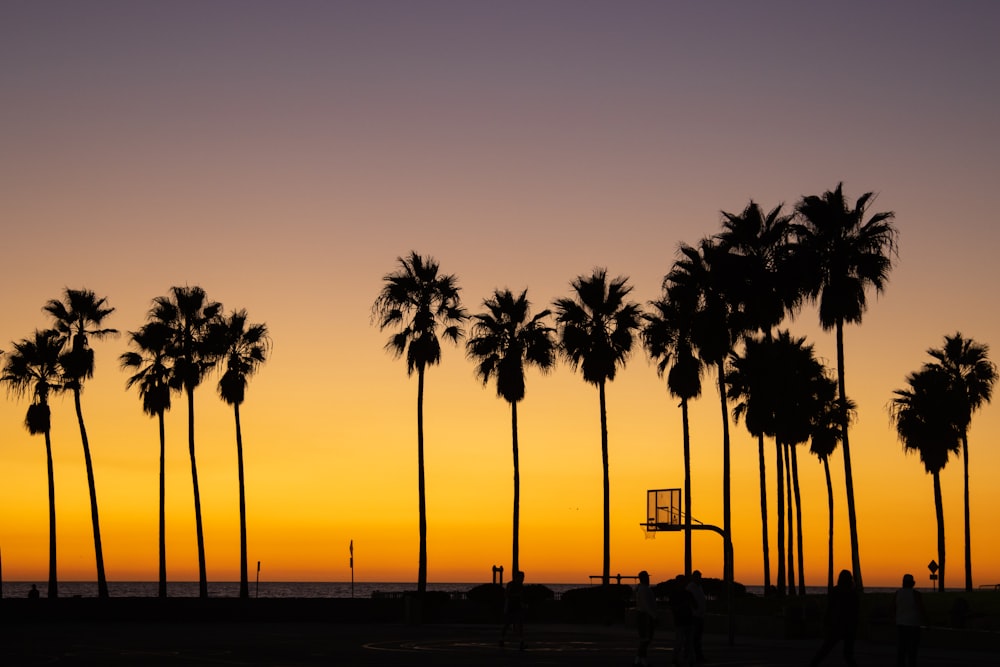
[{"x": 283, "y": 155}]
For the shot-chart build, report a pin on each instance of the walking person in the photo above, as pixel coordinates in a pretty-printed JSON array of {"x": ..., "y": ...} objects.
[
  {"x": 841, "y": 619},
  {"x": 682, "y": 609},
  {"x": 513, "y": 608},
  {"x": 698, "y": 615},
  {"x": 645, "y": 617},
  {"x": 909, "y": 612}
]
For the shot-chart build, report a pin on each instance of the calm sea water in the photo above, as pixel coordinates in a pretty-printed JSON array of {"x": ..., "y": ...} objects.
[{"x": 332, "y": 589}]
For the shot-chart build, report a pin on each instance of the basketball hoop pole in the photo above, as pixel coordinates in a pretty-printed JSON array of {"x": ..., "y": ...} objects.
[{"x": 656, "y": 511}]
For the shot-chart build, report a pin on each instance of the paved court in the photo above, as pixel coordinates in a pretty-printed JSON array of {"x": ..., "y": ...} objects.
[{"x": 297, "y": 644}]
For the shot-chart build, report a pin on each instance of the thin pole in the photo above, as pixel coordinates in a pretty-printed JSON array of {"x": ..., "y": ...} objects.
[
  {"x": 257, "y": 592},
  {"x": 352, "y": 568}
]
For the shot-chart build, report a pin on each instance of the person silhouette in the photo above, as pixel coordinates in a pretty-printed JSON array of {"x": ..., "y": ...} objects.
[
  {"x": 698, "y": 614},
  {"x": 33, "y": 593},
  {"x": 514, "y": 608},
  {"x": 909, "y": 613},
  {"x": 645, "y": 616},
  {"x": 841, "y": 619}
]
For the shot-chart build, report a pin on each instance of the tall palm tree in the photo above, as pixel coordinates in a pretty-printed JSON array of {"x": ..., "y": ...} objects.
[
  {"x": 597, "y": 328},
  {"x": 973, "y": 375},
  {"x": 667, "y": 338},
  {"x": 187, "y": 315},
  {"x": 502, "y": 342},
  {"x": 78, "y": 318},
  {"x": 33, "y": 366},
  {"x": 419, "y": 302},
  {"x": 927, "y": 415},
  {"x": 761, "y": 243},
  {"x": 708, "y": 275},
  {"x": 151, "y": 372},
  {"x": 825, "y": 436},
  {"x": 244, "y": 348},
  {"x": 844, "y": 251}
]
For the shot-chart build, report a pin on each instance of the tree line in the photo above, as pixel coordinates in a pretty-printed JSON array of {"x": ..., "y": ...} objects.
[
  {"x": 185, "y": 338},
  {"x": 723, "y": 302}
]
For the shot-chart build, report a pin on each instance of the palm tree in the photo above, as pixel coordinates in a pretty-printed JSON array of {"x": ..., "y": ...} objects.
[
  {"x": 244, "y": 348},
  {"x": 928, "y": 415},
  {"x": 419, "y": 301},
  {"x": 503, "y": 341},
  {"x": 825, "y": 436},
  {"x": 667, "y": 337},
  {"x": 33, "y": 366},
  {"x": 844, "y": 252},
  {"x": 761, "y": 244},
  {"x": 78, "y": 319},
  {"x": 708, "y": 275},
  {"x": 187, "y": 315},
  {"x": 972, "y": 373},
  {"x": 151, "y": 373},
  {"x": 597, "y": 328}
]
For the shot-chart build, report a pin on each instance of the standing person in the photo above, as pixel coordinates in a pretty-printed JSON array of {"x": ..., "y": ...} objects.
[
  {"x": 841, "y": 619},
  {"x": 513, "y": 608},
  {"x": 909, "y": 616},
  {"x": 682, "y": 609},
  {"x": 645, "y": 616},
  {"x": 698, "y": 614}
]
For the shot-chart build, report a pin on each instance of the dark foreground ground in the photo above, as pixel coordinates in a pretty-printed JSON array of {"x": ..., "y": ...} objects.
[
  {"x": 306, "y": 643},
  {"x": 292, "y": 633}
]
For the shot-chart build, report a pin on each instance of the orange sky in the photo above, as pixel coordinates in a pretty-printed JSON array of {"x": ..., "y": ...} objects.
[{"x": 283, "y": 157}]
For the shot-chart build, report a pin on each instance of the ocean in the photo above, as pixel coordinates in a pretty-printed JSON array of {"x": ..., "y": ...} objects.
[
  {"x": 231, "y": 589},
  {"x": 303, "y": 589}
]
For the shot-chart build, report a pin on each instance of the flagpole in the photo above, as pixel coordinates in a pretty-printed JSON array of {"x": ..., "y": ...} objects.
[{"x": 352, "y": 567}]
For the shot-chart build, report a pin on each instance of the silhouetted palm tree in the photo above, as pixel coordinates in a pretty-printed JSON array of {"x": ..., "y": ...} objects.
[
  {"x": 708, "y": 276},
  {"x": 188, "y": 314},
  {"x": 825, "y": 436},
  {"x": 761, "y": 243},
  {"x": 502, "y": 342},
  {"x": 78, "y": 319},
  {"x": 152, "y": 373},
  {"x": 844, "y": 251},
  {"x": 244, "y": 348},
  {"x": 968, "y": 365},
  {"x": 927, "y": 415},
  {"x": 667, "y": 337},
  {"x": 33, "y": 366},
  {"x": 419, "y": 301},
  {"x": 597, "y": 328}
]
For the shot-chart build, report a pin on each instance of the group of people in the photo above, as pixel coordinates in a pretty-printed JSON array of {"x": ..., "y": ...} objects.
[
  {"x": 842, "y": 620},
  {"x": 687, "y": 606}
]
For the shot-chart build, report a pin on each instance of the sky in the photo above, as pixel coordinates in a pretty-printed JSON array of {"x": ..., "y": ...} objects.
[{"x": 283, "y": 155}]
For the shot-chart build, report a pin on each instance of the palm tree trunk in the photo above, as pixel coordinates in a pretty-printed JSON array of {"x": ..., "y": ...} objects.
[
  {"x": 162, "y": 589},
  {"x": 727, "y": 514},
  {"x": 515, "y": 542},
  {"x": 53, "y": 591},
  {"x": 244, "y": 578},
  {"x": 968, "y": 533},
  {"x": 798, "y": 519},
  {"x": 606, "y": 563},
  {"x": 102, "y": 582},
  {"x": 687, "y": 488},
  {"x": 939, "y": 511},
  {"x": 779, "y": 467},
  {"x": 421, "y": 500},
  {"x": 763, "y": 514},
  {"x": 791, "y": 526},
  {"x": 829, "y": 508},
  {"x": 852, "y": 516},
  {"x": 199, "y": 530}
]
